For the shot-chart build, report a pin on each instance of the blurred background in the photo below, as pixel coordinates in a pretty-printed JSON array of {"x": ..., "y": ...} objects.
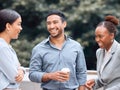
[{"x": 82, "y": 17}]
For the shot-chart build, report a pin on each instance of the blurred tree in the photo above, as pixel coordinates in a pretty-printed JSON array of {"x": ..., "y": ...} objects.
[{"x": 82, "y": 17}]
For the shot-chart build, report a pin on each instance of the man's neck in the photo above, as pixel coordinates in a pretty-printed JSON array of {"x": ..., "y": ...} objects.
[{"x": 58, "y": 41}]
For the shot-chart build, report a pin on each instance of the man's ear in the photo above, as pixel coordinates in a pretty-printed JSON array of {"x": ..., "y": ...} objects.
[{"x": 65, "y": 24}]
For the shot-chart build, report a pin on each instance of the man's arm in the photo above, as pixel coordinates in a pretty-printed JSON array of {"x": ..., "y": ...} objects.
[{"x": 58, "y": 76}]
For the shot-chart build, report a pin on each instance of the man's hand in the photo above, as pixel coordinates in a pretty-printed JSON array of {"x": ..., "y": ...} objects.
[{"x": 58, "y": 76}]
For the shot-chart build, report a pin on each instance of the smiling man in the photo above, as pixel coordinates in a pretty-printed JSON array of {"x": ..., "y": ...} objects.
[{"x": 55, "y": 53}]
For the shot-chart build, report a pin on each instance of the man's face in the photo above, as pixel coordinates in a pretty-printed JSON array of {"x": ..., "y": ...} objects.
[{"x": 55, "y": 25}]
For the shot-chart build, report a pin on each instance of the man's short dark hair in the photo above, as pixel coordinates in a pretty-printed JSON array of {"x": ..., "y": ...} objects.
[{"x": 57, "y": 12}]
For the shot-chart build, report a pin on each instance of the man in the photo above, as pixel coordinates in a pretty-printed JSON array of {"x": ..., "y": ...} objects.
[{"x": 55, "y": 53}]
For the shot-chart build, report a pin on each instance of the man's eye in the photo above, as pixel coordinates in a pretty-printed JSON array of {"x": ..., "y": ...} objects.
[{"x": 55, "y": 22}]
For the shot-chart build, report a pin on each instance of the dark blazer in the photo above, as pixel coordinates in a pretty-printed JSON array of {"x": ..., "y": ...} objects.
[{"x": 109, "y": 78}]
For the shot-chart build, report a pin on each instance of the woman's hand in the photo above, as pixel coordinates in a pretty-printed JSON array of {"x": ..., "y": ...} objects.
[
  {"x": 89, "y": 84},
  {"x": 20, "y": 75}
]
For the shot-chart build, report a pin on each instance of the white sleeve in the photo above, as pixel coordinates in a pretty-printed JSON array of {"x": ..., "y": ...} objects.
[{"x": 7, "y": 66}]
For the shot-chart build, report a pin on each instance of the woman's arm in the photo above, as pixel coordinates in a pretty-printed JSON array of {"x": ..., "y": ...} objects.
[{"x": 7, "y": 66}]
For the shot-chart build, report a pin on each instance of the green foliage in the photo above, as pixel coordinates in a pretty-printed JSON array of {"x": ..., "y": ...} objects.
[
  {"x": 23, "y": 48},
  {"x": 82, "y": 17}
]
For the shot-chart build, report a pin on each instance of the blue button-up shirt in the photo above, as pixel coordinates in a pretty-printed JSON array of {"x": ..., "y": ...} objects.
[{"x": 47, "y": 58}]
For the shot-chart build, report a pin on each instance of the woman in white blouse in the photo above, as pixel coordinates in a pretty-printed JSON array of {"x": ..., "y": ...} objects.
[{"x": 11, "y": 73}]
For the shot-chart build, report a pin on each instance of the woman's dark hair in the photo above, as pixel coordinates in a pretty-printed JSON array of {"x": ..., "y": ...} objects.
[
  {"x": 57, "y": 12},
  {"x": 7, "y": 16},
  {"x": 110, "y": 23}
]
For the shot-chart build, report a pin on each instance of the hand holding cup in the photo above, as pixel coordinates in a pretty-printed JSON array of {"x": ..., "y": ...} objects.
[{"x": 66, "y": 71}]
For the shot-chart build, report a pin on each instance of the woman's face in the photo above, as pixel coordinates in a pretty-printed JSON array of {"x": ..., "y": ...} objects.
[
  {"x": 103, "y": 37},
  {"x": 15, "y": 28}
]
